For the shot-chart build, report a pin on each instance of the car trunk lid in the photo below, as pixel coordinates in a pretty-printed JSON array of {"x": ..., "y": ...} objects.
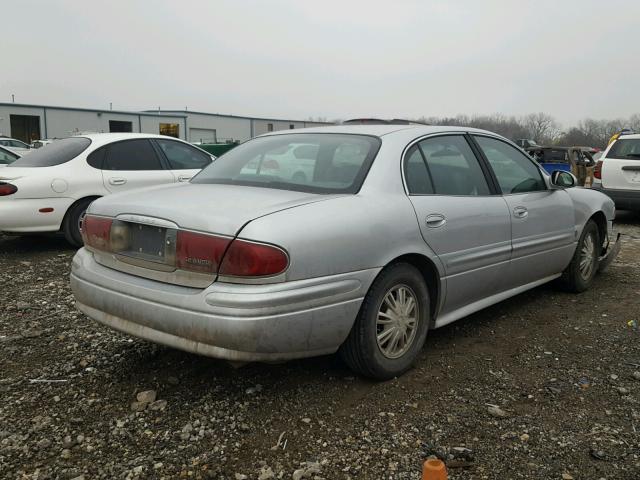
[{"x": 145, "y": 233}]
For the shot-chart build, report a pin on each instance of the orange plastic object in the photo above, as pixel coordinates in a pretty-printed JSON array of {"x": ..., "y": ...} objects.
[{"x": 434, "y": 469}]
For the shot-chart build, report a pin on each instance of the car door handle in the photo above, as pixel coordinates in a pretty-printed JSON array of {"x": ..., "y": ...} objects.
[
  {"x": 117, "y": 181},
  {"x": 184, "y": 178},
  {"x": 435, "y": 220},
  {"x": 520, "y": 212}
]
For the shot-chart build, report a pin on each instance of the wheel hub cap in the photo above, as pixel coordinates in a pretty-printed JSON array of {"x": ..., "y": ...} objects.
[
  {"x": 397, "y": 321},
  {"x": 587, "y": 256}
]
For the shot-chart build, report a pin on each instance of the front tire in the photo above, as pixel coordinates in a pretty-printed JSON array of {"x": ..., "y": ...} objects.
[
  {"x": 71, "y": 226},
  {"x": 579, "y": 275},
  {"x": 392, "y": 324}
]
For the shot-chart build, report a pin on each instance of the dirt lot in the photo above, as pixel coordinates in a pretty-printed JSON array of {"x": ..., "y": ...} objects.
[{"x": 564, "y": 369}]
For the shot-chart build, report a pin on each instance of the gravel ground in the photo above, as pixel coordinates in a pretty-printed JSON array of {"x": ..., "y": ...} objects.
[{"x": 543, "y": 386}]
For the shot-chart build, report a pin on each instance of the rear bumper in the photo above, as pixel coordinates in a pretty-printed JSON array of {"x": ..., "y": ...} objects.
[
  {"x": 624, "y": 199},
  {"x": 230, "y": 321},
  {"x": 22, "y": 215}
]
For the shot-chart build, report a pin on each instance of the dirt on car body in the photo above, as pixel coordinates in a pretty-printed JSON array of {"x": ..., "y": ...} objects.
[{"x": 544, "y": 385}]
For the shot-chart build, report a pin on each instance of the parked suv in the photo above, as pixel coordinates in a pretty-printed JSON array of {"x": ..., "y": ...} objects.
[{"x": 617, "y": 173}]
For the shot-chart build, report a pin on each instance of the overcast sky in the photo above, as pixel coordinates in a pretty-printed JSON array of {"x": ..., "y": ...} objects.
[{"x": 328, "y": 58}]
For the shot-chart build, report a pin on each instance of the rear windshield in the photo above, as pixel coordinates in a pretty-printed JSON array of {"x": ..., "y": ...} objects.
[
  {"x": 58, "y": 152},
  {"x": 316, "y": 163},
  {"x": 625, "y": 149}
]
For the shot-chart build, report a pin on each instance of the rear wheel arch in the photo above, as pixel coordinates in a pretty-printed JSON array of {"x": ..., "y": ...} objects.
[
  {"x": 601, "y": 222},
  {"x": 430, "y": 275},
  {"x": 65, "y": 226}
]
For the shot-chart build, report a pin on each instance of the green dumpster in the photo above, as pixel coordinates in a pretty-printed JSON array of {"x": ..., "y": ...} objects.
[{"x": 217, "y": 149}]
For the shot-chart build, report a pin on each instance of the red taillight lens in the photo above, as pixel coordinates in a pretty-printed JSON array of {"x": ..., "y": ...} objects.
[
  {"x": 597, "y": 171},
  {"x": 7, "y": 189},
  {"x": 247, "y": 259},
  {"x": 198, "y": 252},
  {"x": 95, "y": 232}
]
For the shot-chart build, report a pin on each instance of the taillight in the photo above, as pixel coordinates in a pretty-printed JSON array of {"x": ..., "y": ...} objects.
[
  {"x": 597, "y": 171},
  {"x": 248, "y": 259},
  {"x": 96, "y": 232},
  {"x": 7, "y": 189},
  {"x": 198, "y": 252}
]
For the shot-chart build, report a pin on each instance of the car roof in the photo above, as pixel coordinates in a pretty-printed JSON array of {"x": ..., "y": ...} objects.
[
  {"x": 104, "y": 138},
  {"x": 381, "y": 130},
  {"x": 633, "y": 136}
]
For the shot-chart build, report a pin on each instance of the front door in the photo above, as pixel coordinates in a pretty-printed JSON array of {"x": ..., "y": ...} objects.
[
  {"x": 184, "y": 160},
  {"x": 466, "y": 225},
  {"x": 543, "y": 226},
  {"x": 133, "y": 164}
]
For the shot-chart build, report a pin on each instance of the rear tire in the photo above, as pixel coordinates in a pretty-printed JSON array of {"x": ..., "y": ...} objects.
[
  {"x": 383, "y": 343},
  {"x": 579, "y": 275},
  {"x": 72, "y": 222}
]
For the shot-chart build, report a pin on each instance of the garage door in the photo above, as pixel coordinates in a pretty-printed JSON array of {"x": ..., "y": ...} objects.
[{"x": 204, "y": 135}]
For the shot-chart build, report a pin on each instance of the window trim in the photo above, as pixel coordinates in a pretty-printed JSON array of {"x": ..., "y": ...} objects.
[
  {"x": 519, "y": 150},
  {"x": 489, "y": 179}
]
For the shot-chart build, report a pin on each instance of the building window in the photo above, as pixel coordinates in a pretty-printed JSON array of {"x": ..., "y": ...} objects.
[
  {"x": 269, "y": 127},
  {"x": 120, "y": 126},
  {"x": 25, "y": 127},
  {"x": 291, "y": 126},
  {"x": 170, "y": 129}
]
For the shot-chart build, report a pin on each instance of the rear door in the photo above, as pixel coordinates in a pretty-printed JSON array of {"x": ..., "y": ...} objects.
[
  {"x": 542, "y": 220},
  {"x": 461, "y": 218},
  {"x": 183, "y": 160},
  {"x": 130, "y": 164},
  {"x": 621, "y": 165}
]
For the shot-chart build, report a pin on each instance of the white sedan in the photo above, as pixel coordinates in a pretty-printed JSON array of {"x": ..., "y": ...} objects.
[
  {"x": 50, "y": 189},
  {"x": 14, "y": 145}
]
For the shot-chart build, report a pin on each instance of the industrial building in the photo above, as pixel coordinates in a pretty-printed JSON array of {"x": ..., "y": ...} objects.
[{"x": 33, "y": 122}]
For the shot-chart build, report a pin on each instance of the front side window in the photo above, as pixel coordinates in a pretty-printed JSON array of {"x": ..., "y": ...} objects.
[
  {"x": 17, "y": 144},
  {"x": 453, "y": 167},
  {"x": 132, "y": 155},
  {"x": 625, "y": 149},
  {"x": 318, "y": 163},
  {"x": 183, "y": 157},
  {"x": 514, "y": 171},
  {"x": 59, "y": 152}
]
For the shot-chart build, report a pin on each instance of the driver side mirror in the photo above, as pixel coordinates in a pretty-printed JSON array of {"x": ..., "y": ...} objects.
[{"x": 563, "y": 179}]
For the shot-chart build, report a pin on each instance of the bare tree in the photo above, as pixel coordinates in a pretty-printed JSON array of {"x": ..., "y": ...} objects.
[{"x": 541, "y": 127}]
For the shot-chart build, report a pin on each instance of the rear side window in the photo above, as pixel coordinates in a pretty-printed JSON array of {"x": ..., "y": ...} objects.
[
  {"x": 96, "y": 158},
  {"x": 416, "y": 173},
  {"x": 59, "y": 152},
  {"x": 183, "y": 157},
  {"x": 453, "y": 167},
  {"x": 132, "y": 155},
  {"x": 625, "y": 149}
]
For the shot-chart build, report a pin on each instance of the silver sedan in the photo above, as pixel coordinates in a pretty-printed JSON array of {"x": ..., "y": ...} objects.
[{"x": 393, "y": 230}]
